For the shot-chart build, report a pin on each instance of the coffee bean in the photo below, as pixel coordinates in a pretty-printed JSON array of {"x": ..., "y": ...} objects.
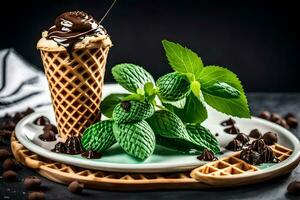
[
  {"x": 289, "y": 115},
  {"x": 41, "y": 121},
  {"x": 9, "y": 175},
  {"x": 4, "y": 154},
  {"x": 294, "y": 187},
  {"x": 10, "y": 163},
  {"x": 36, "y": 196},
  {"x": 75, "y": 187},
  {"x": 275, "y": 117},
  {"x": 292, "y": 122},
  {"x": 32, "y": 183},
  {"x": 270, "y": 138},
  {"x": 265, "y": 115}
]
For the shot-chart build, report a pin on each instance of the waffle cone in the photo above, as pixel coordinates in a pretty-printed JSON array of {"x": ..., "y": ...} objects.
[{"x": 76, "y": 86}]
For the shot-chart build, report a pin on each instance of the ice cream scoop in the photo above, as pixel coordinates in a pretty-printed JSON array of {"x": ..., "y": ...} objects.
[{"x": 74, "y": 26}]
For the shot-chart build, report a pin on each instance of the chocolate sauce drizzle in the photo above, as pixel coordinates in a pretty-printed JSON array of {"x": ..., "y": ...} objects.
[{"x": 72, "y": 27}]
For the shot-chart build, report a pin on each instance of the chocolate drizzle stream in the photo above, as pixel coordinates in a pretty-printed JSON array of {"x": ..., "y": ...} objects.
[{"x": 72, "y": 27}]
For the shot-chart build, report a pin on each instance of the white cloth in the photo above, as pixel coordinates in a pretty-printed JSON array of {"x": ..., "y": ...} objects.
[{"x": 21, "y": 85}]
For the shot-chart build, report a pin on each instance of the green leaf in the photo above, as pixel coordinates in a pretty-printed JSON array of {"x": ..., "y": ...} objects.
[
  {"x": 182, "y": 145},
  {"x": 195, "y": 87},
  {"x": 178, "y": 104},
  {"x": 131, "y": 76},
  {"x": 173, "y": 86},
  {"x": 182, "y": 59},
  {"x": 132, "y": 111},
  {"x": 99, "y": 136},
  {"x": 211, "y": 75},
  {"x": 203, "y": 137},
  {"x": 134, "y": 97},
  {"x": 222, "y": 89},
  {"x": 109, "y": 103},
  {"x": 194, "y": 110},
  {"x": 149, "y": 89},
  {"x": 136, "y": 139},
  {"x": 167, "y": 124}
]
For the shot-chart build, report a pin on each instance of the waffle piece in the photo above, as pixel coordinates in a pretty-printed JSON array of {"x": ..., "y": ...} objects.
[
  {"x": 232, "y": 170},
  {"x": 76, "y": 86}
]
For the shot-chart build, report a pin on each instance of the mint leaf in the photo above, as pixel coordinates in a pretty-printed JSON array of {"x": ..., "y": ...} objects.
[
  {"x": 203, "y": 137},
  {"x": 167, "y": 124},
  {"x": 99, "y": 136},
  {"x": 131, "y": 76},
  {"x": 136, "y": 139},
  {"x": 222, "y": 89},
  {"x": 195, "y": 87},
  {"x": 194, "y": 110},
  {"x": 173, "y": 86},
  {"x": 211, "y": 75},
  {"x": 109, "y": 103},
  {"x": 182, "y": 145},
  {"x": 177, "y": 104},
  {"x": 132, "y": 111},
  {"x": 149, "y": 89},
  {"x": 134, "y": 97},
  {"x": 182, "y": 59}
]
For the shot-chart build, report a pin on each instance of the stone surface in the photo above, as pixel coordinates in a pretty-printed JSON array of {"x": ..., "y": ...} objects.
[{"x": 275, "y": 189}]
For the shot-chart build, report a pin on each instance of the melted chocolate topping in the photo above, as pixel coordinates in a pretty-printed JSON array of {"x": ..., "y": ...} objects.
[
  {"x": 73, "y": 145},
  {"x": 250, "y": 156},
  {"x": 71, "y": 27},
  {"x": 60, "y": 148}
]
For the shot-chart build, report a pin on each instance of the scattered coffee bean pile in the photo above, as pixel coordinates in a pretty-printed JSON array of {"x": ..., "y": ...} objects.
[
  {"x": 11, "y": 167},
  {"x": 288, "y": 121}
]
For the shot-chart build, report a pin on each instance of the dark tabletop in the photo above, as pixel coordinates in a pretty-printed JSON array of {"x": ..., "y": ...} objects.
[{"x": 274, "y": 189}]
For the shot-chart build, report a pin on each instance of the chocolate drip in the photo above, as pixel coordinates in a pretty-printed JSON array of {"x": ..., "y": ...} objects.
[
  {"x": 71, "y": 27},
  {"x": 267, "y": 155}
]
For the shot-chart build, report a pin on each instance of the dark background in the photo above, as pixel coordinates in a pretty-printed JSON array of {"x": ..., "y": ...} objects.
[{"x": 258, "y": 40}]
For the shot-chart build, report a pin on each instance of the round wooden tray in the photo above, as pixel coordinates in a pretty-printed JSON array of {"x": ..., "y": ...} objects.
[{"x": 199, "y": 178}]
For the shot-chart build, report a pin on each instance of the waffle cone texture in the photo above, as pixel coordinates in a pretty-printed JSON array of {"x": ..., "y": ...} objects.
[{"x": 75, "y": 83}]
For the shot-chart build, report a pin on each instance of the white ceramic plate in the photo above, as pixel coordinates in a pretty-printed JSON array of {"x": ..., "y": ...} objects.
[{"x": 163, "y": 160}]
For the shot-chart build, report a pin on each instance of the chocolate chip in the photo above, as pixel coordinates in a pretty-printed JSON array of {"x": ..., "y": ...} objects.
[
  {"x": 270, "y": 138},
  {"x": 207, "y": 155},
  {"x": 75, "y": 187},
  {"x": 275, "y": 117},
  {"x": 267, "y": 156},
  {"x": 17, "y": 117},
  {"x": 60, "y": 147},
  {"x": 258, "y": 145},
  {"x": 36, "y": 196},
  {"x": 255, "y": 133},
  {"x": 91, "y": 154},
  {"x": 5, "y": 133},
  {"x": 28, "y": 111},
  {"x": 265, "y": 115},
  {"x": 232, "y": 130},
  {"x": 32, "y": 183},
  {"x": 294, "y": 187},
  {"x": 282, "y": 123},
  {"x": 8, "y": 125},
  {"x": 73, "y": 145},
  {"x": 229, "y": 122},
  {"x": 126, "y": 105},
  {"x": 10, "y": 163},
  {"x": 48, "y": 136},
  {"x": 292, "y": 122},
  {"x": 217, "y": 134},
  {"x": 4, "y": 154},
  {"x": 289, "y": 115},
  {"x": 243, "y": 138},
  {"x": 250, "y": 156},
  {"x": 41, "y": 121},
  {"x": 50, "y": 127},
  {"x": 234, "y": 145},
  {"x": 9, "y": 175}
]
